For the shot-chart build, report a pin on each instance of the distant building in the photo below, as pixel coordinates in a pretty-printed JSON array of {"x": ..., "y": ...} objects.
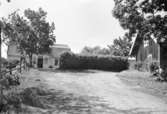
[
  {"x": 41, "y": 60},
  {"x": 12, "y": 52},
  {"x": 149, "y": 50}
]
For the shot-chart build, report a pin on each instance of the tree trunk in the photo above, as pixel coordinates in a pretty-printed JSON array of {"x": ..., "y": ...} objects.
[
  {"x": 21, "y": 60},
  {"x": 20, "y": 64},
  {"x": 1, "y": 91},
  {"x": 0, "y": 54},
  {"x": 30, "y": 57}
]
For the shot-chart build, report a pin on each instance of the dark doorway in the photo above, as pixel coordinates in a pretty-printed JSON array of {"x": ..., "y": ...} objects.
[
  {"x": 56, "y": 62},
  {"x": 40, "y": 62}
]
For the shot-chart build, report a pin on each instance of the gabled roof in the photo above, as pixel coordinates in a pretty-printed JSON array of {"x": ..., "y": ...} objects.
[
  {"x": 60, "y": 46},
  {"x": 58, "y": 49},
  {"x": 135, "y": 46}
]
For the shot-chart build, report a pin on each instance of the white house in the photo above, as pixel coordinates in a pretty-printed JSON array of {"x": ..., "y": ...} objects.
[{"x": 40, "y": 61}]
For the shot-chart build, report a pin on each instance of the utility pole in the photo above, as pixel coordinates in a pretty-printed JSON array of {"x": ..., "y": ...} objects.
[
  {"x": 0, "y": 53},
  {"x": 1, "y": 77}
]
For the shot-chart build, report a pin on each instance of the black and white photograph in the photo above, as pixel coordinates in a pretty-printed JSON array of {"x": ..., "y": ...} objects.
[{"x": 83, "y": 56}]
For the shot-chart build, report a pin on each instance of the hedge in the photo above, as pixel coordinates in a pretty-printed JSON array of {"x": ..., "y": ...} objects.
[{"x": 80, "y": 62}]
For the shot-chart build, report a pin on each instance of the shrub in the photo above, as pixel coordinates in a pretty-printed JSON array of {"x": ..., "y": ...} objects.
[
  {"x": 32, "y": 97},
  {"x": 153, "y": 66},
  {"x": 50, "y": 66},
  {"x": 138, "y": 66},
  {"x": 69, "y": 61},
  {"x": 163, "y": 74},
  {"x": 14, "y": 79},
  {"x": 8, "y": 81},
  {"x": 141, "y": 66},
  {"x": 72, "y": 61},
  {"x": 10, "y": 100}
]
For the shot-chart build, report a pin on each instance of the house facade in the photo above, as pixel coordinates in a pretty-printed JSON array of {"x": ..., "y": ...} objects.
[
  {"x": 49, "y": 60},
  {"x": 149, "y": 50}
]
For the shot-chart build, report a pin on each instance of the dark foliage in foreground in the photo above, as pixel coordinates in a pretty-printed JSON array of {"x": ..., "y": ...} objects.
[
  {"x": 73, "y": 61},
  {"x": 153, "y": 67},
  {"x": 10, "y": 100}
]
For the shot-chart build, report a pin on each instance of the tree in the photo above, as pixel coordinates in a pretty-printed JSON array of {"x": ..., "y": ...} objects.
[
  {"x": 1, "y": 26},
  {"x": 86, "y": 50},
  {"x": 143, "y": 17},
  {"x": 43, "y": 32},
  {"x": 32, "y": 33},
  {"x": 120, "y": 47},
  {"x": 95, "y": 51}
]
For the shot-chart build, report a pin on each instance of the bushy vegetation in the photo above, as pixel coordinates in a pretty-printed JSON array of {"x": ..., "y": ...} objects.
[
  {"x": 163, "y": 75},
  {"x": 9, "y": 82},
  {"x": 158, "y": 72},
  {"x": 33, "y": 97},
  {"x": 97, "y": 50},
  {"x": 120, "y": 47},
  {"x": 10, "y": 98},
  {"x": 72, "y": 61},
  {"x": 145, "y": 66},
  {"x": 154, "y": 66},
  {"x": 140, "y": 66}
]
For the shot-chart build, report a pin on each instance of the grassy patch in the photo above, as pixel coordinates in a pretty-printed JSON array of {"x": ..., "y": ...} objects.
[
  {"x": 145, "y": 81},
  {"x": 57, "y": 101},
  {"x": 34, "y": 97}
]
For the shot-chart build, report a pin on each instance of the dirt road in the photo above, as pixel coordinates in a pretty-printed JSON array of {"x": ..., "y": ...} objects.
[{"x": 100, "y": 93}]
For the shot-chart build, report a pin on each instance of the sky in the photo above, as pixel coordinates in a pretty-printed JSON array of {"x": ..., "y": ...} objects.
[{"x": 78, "y": 23}]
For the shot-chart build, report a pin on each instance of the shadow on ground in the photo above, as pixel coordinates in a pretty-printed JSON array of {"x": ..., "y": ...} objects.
[
  {"x": 59, "y": 102},
  {"x": 68, "y": 71}
]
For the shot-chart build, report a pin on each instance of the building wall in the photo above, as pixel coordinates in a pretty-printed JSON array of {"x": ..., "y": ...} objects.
[
  {"x": 56, "y": 52},
  {"x": 142, "y": 53},
  {"x": 48, "y": 59},
  {"x": 163, "y": 56},
  {"x": 13, "y": 52},
  {"x": 148, "y": 52}
]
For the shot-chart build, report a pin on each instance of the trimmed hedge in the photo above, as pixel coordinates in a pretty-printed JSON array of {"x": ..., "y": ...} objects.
[{"x": 80, "y": 62}]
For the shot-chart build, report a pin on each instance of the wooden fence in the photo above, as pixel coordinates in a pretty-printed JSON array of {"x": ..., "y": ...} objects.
[{"x": 18, "y": 68}]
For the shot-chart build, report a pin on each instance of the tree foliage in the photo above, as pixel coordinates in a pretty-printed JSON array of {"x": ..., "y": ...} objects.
[
  {"x": 97, "y": 50},
  {"x": 43, "y": 30},
  {"x": 144, "y": 17},
  {"x": 32, "y": 33},
  {"x": 120, "y": 46}
]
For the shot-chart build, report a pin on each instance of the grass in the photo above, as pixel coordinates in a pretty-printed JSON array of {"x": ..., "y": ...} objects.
[
  {"x": 147, "y": 83},
  {"x": 37, "y": 98},
  {"x": 57, "y": 101}
]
